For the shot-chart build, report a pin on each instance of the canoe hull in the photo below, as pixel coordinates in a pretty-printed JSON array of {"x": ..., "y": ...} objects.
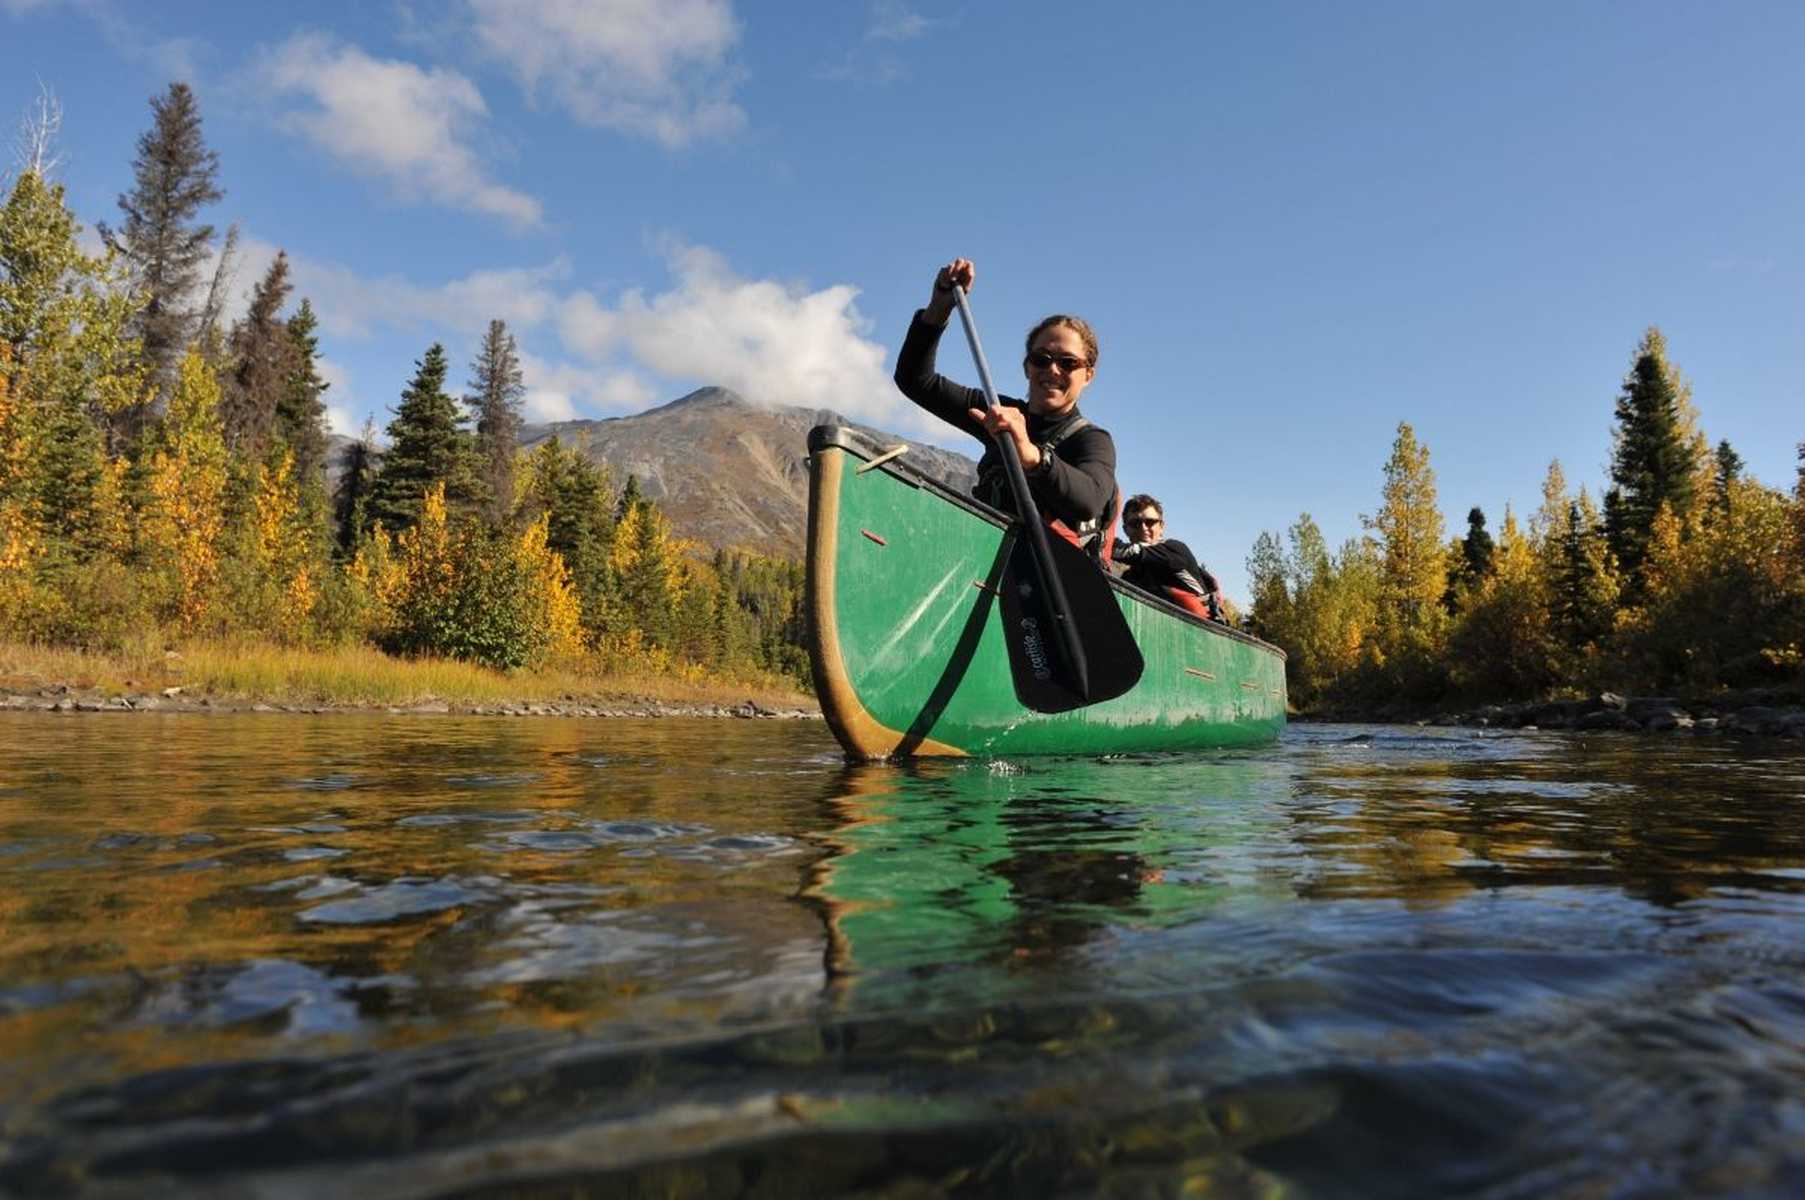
[{"x": 906, "y": 642}]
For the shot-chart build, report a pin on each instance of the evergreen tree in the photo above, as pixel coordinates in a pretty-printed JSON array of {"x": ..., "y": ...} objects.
[
  {"x": 427, "y": 444},
  {"x": 497, "y": 387},
  {"x": 175, "y": 177},
  {"x": 1584, "y": 588},
  {"x": 1502, "y": 645},
  {"x": 572, "y": 494},
  {"x": 262, "y": 358},
  {"x": 1651, "y": 461},
  {"x": 351, "y": 497},
  {"x": 1476, "y": 550},
  {"x": 630, "y": 498},
  {"x": 1471, "y": 557},
  {"x": 1724, "y": 479},
  {"x": 300, "y": 402},
  {"x": 647, "y": 562}
]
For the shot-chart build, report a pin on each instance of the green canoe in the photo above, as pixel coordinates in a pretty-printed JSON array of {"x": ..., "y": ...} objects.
[{"x": 905, "y": 632}]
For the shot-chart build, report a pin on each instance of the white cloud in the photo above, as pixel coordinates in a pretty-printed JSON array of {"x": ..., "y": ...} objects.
[
  {"x": 771, "y": 342},
  {"x": 895, "y": 21},
  {"x": 562, "y": 391},
  {"x": 343, "y": 400},
  {"x": 655, "y": 68},
  {"x": 394, "y": 120},
  {"x": 350, "y": 305},
  {"x": 875, "y": 60}
]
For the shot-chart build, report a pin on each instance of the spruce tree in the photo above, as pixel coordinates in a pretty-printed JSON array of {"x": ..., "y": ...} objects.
[
  {"x": 497, "y": 387},
  {"x": 1584, "y": 589},
  {"x": 262, "y": 361},
  {"x": 572, "y": 493},
  {"x": 1651, "y": 462},
  {"x": 1477, "y": 548},
  {"x": 630, "y": 498},
  {"x": 176, "y": 176},
  {"x": 427, "y": 444},
  {"x": 1470, "y": 560},
  {"x": 300, "y": 401},
  {"x": 351, "y": 497},
  {"x": 1725, "y": 477}
]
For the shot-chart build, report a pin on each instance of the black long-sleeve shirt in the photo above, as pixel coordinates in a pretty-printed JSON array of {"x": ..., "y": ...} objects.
[
  {"x": 1075, "y": 483},
  {"x": 1155, "y": 566}
]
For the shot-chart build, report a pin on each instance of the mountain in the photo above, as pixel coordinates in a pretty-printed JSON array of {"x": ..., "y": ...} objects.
[{"x": 729, "y": 473}]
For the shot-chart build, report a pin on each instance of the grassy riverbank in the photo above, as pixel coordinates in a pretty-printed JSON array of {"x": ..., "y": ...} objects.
[{"x": 362, "y": 677}]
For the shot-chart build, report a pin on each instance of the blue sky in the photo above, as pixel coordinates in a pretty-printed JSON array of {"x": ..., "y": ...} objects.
[{"x": 1293, "y": 225}]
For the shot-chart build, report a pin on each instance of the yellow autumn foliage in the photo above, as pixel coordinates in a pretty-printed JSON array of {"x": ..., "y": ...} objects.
[
  {"x": 551, "y": 600},
  {"x": 425, "y": 556},
  {"x": 284, "y": 593},
  {"x": 375, "y": 580},
  {"x": 184, "y": 515}
]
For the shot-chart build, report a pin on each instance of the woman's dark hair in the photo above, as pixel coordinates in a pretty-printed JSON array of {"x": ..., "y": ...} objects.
[{"x": 1078, "y": 325}]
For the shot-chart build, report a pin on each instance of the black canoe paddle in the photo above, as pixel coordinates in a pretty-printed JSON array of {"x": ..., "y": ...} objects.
[{"x": 1052, "y": 587}]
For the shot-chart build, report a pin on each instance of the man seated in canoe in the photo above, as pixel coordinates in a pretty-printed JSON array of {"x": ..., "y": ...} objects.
[
  {"x": 1070, "y": 463},
  {"x": 1156, "y": 563}
]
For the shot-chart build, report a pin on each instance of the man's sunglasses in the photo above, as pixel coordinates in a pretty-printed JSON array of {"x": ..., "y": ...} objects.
[
  {"x": 1143, "y": 522},
  {"x": 1068, "y": 363}
]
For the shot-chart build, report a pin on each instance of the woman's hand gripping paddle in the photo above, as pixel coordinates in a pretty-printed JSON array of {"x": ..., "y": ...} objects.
[{"x": 1069, "y": 644}]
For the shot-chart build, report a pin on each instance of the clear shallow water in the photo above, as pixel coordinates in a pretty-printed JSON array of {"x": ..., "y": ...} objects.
[{"x": 275, "y": 955}]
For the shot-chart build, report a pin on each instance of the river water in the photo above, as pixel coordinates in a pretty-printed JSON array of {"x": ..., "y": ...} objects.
[{"x": 363, "y": 956}]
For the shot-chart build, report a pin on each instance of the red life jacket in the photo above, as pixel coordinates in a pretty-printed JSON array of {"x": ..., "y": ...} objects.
[
  {"x": 1100, "y": 544},
  {"x": 1189, "y": 600}
]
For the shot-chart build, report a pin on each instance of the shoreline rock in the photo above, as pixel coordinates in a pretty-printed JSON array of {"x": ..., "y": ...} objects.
[
  {"x": 1772, "y": 712},
  {"x": 62, "y": 698}
]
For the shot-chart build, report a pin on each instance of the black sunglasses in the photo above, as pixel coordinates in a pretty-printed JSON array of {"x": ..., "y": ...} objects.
[
  {"x": 1067, "y": 362},
  {"x": 1143, "y": 522}
]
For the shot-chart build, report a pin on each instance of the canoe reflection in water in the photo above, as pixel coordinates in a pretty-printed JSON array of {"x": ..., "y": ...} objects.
[{"x": 950, "y": 880}]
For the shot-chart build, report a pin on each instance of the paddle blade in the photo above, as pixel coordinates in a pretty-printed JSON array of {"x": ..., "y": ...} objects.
[{"x": 1044, "y": 680}]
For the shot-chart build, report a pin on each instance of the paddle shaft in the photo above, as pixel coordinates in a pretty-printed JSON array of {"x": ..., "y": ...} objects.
[{"x": 1058, "y": 606}]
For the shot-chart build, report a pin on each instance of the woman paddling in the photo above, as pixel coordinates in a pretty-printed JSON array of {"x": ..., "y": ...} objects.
[{"x": 1070, "y": 463}]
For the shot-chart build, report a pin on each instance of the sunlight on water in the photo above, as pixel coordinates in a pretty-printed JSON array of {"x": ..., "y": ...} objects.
[{"x": 374, "y": 956}]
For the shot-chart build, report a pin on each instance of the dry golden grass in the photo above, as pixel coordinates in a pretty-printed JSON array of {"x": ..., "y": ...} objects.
[{"x": 357, "y": 675}]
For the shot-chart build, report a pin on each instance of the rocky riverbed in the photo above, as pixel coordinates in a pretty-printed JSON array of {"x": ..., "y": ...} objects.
[{"x": 64, "y": 698}]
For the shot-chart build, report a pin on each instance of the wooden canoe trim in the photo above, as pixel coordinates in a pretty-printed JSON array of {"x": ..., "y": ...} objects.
[
  {"x": 1200, "y": 674},
  {"x": 880, "y": 460},
  {"x": 862, "y": 735},
  {"x": 874, "y": 537}
]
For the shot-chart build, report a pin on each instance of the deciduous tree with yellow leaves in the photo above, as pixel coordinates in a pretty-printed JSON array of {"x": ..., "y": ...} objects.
[{"x": 186, "y": 487}]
